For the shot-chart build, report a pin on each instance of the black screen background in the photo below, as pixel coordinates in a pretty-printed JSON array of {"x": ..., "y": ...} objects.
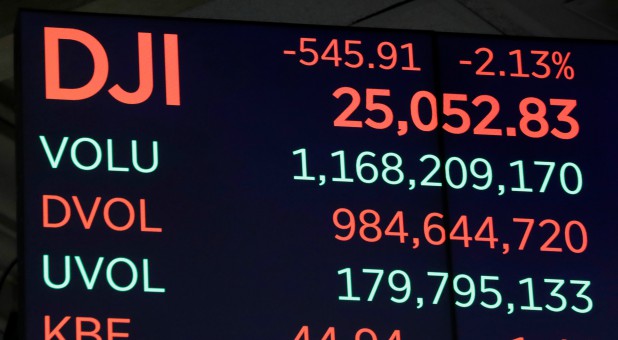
[{"x": 246, "y": 251}]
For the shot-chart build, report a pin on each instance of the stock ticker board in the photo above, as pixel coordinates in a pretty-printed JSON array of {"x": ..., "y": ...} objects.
[{"x": 194, "y": 179}]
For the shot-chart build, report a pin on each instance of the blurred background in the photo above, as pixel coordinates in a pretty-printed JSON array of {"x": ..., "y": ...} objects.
[{"x": 581, "y": 19}]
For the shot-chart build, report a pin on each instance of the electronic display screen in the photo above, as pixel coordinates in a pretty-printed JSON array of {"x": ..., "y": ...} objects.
[{"x": 195, "y": 179}]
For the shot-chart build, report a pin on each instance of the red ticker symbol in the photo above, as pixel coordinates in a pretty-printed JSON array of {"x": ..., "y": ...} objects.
[{"x": 98, "y": 79}]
